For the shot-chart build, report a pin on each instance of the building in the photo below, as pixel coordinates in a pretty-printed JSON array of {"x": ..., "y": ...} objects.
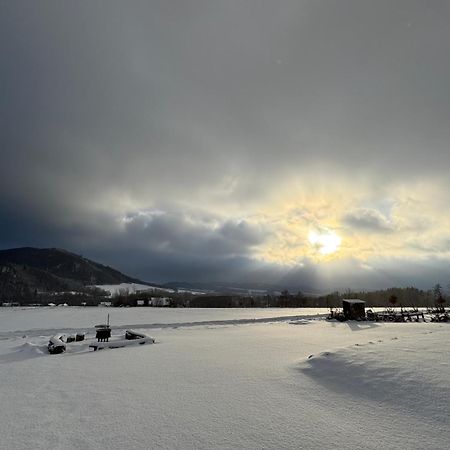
[
  {"x": 354, "y": 309},
  {"x": 105, "y": 304},
  {"x": 160, "y": 301}
]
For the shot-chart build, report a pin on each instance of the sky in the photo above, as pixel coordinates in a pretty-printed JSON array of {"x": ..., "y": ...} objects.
[{"x": 301, "y": 143}]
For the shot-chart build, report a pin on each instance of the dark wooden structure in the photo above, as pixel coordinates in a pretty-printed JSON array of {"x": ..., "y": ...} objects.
[
  {"x": 354, "y": 309},
  {"x": 103, "y": 333}
]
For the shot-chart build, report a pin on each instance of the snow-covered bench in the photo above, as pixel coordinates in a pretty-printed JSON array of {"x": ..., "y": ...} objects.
[
  {"x": 131, "y": 338},
  {"x": 56, "y": 344}
]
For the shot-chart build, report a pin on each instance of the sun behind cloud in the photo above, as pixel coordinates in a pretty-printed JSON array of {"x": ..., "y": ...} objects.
[{"x": 326, "y": 242}]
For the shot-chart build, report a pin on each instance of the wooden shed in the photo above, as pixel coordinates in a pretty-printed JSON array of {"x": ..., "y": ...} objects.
[{"x": 354, "y": 309}]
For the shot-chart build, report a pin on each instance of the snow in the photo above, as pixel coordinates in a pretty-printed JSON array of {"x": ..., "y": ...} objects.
[
  {"x": 130, "y": 288},
  {"x": 403, "y": 374},
  {"x": 45, "y": 319},
  {"x": 285, "y": 381}
]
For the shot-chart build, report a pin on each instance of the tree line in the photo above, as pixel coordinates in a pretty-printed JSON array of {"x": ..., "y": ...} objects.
[{"x": 406, "y": 297}]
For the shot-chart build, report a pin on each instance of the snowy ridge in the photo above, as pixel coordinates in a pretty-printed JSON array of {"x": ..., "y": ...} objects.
[{"x": 403, "y": 373}]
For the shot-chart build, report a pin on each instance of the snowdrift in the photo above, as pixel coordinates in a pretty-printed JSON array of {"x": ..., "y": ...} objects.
[{"x": 402, "y": 373}]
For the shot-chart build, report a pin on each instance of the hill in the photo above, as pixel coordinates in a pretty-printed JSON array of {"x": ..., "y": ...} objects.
[{"x": 26, "y": 272}]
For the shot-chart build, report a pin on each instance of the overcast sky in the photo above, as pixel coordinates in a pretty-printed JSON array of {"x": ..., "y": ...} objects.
[{"x": 295, "y": 142}]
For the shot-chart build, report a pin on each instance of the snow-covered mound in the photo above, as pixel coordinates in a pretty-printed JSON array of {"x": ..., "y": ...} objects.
[
  {"x": 22, "y": 352},
  {"x": 32, "y": 349},
  {"x": 408, "y": 374},
  {"x": 119, "y": 343}
]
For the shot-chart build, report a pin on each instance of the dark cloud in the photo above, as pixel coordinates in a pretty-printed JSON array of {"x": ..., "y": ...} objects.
[
  {"x": 180, "y": 233},
  {"x": 209, "y": 105}
]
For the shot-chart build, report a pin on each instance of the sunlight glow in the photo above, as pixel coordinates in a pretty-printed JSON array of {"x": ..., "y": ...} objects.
[{"x": 326, "y": 242}]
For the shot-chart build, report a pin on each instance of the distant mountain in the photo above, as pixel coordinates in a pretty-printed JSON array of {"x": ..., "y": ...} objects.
[
  {"x": 26, "y": 271},
  {"x": 30, "y": 275},
  {"x": 238, "y": 288}
]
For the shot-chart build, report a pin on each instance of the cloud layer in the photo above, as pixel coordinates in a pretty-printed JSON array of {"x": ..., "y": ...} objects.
[{"x": 204, "y": 140}]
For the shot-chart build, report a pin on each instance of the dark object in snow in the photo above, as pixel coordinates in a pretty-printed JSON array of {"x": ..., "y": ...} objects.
[
  {"x": 103, "y": 333},
  {"x": 439, "y": 314},
  {"x": 354, "y": 309},
  {"x": 392, "y": 315},
  {"x": 70, "y": 338},
  {"x": 56, "y": 345},
  {"x": 132, "y": 335},
  {"x": 79, "y": 337},
  {"x": 336, "y": 314}
]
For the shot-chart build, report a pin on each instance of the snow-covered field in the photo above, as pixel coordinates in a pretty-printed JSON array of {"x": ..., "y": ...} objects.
[
  {"x": 32, "y": 320},
  {"x": 218, "y": 379}
]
